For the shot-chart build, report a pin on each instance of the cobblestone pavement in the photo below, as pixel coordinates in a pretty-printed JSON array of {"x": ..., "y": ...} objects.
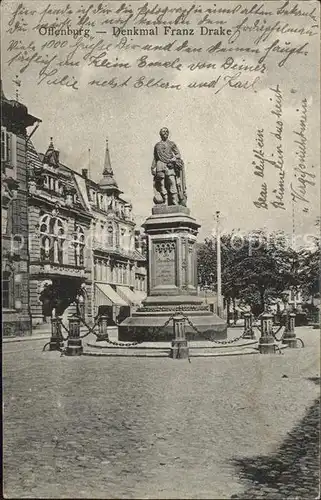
[
  {"x": 293, "y": 470},
  {"x": 87, "y": 427}
]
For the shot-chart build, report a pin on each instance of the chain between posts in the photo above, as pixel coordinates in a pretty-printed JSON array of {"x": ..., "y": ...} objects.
[
  {"x": 224, "y": 342},
  {"x": 105, "y": 336},
  {"x": 128, "y": 344}
]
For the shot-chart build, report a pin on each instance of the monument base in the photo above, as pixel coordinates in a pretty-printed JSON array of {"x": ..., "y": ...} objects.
[
  {"x": 172, "y": 282},
  {"x": 149, "y": 326}
]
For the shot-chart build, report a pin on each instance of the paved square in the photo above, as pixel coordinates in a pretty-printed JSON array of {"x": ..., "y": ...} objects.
[{"x": 88, "y": 427}]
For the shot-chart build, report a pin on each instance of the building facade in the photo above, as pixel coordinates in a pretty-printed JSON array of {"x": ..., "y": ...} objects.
[
  {"x": 82, "y": 242},
  {"x": 119, "y": 268},
  {"x": 59, "y": 227},
  {"x": 15, "y": 120},
  {"x": 66, "y": 239}
]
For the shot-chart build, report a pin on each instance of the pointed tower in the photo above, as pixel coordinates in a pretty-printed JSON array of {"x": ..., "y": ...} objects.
[
  {"x": 51, "y": 156},
  {"x": 108, "y": 183}
]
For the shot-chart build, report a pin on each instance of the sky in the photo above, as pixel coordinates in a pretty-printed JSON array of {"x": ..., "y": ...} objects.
[{"x": 215, "y": 133}]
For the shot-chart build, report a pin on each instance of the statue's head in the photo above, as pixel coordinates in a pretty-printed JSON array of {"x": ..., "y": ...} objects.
[{"x": 164, "y": 133}]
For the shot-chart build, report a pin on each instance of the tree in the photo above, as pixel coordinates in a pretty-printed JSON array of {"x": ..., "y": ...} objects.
[
  {"x": 256, "y": 267},
  {"x": 310, "y": 271}
]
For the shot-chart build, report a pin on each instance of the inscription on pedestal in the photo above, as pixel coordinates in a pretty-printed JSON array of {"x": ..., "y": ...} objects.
[{"x": 165, "y": 263}]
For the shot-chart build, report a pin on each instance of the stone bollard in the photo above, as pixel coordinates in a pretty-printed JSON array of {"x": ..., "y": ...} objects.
[
  {"x": 289, "y": 336},
  {"x": 248, "y": 328},
  {"x": 56, "y": 340},
  {"x": 102, "y": 333},
  {"x": 179, "y": 348},
  {"x": 74, "y": 344},
  {"x": 266, "y": 342}
]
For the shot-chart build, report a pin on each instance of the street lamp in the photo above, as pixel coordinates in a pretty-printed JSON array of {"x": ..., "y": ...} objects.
[{"x": 219, "y": 268}]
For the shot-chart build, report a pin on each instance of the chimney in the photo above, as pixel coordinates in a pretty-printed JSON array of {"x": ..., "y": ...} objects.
[{"x": 85, "y": 173}]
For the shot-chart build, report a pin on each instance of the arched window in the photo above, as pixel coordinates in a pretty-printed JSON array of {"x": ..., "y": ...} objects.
[
  {"x": 59, "y": 239},
  {"x": 122, "y": 238},
  {"x": 79, "y": 243},
  {"x": 110, "y": 236},
  {"x": 52, "y": 238},
  {"x": 46, "y": 242}
]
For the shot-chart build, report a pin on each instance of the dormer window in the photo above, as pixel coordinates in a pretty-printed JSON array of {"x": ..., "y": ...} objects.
[
  {"x": 60, "y": 187},
  {"x": 46, "y": 182},
  {"x": 8, "y": 148},
  {"x": 5, "y": 145}
]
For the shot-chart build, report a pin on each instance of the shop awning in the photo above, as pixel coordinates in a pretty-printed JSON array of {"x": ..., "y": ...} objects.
[
  {"x": 128, "y": 295},
  {"x": 106, "y": 296},
  {"x": 140, "y": 296}
]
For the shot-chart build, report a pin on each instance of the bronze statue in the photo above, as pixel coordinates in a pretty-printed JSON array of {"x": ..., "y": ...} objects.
[{"x": 168, "y": 172}]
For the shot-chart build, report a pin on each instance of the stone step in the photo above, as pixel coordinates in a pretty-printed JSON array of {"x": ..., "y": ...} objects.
[
  {"x": 207, "y": 345},
  {"x": 157, "y": 353}
]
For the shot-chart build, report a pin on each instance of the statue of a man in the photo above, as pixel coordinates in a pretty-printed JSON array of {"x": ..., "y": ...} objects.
[{"x": 168, "y": 172}]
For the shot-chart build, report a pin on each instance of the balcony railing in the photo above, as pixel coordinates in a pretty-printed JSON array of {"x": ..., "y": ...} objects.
[{"x": 47, "y": 267}]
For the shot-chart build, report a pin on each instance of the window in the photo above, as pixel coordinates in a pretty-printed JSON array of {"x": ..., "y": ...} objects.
[
  {"x": 60, "y": 187},
  {"x": 60, "y": 238},
  {"x": 46, "y": 182},
  {"x": 79, "y": 243},
  {"x": 122, "y": 238},
  {"x": 110, "y": 236},
  {"x": 6, "y": 290},
  {"x": 4, "y": 220},
  {"x": 52, "y": 238},
  {"x": 5, "y": 145}
]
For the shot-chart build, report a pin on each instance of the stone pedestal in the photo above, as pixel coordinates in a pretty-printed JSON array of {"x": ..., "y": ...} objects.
[
  {"x": 266, "y": 343},
  {"x": 248, "y": 328},
  {"x": 56, "y": 340},
  {"x": 74, "y": 343},
  {"x": 172, "y": 281},
  {"x": 102, "y": 332},
  {"x": 179, "y": 348},
  {"x": 289, "y": 336}
]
